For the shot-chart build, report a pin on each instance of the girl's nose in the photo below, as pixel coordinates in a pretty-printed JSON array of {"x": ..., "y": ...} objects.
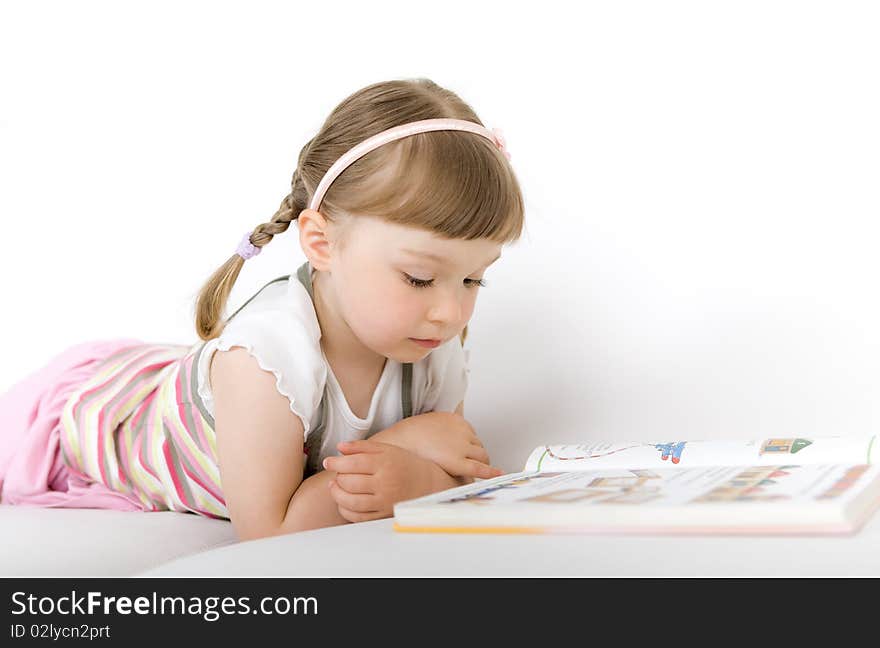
[{"x": 448, "y": 307}]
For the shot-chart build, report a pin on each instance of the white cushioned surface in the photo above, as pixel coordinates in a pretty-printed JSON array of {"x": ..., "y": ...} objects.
[
  {"x": 40, "y": 542},
  {"x": 374, "y": 549}
]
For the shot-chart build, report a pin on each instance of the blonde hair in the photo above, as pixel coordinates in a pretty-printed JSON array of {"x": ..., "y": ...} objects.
[{"x": 452, "y": 183}]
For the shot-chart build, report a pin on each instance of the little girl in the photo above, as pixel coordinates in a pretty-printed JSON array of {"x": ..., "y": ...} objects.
[{"x": 328, "y": 395}]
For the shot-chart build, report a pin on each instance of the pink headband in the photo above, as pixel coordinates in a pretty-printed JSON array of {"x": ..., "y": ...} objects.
[
  {"x": 247, "y": 250},
  {"x": 404, "y": 130}
]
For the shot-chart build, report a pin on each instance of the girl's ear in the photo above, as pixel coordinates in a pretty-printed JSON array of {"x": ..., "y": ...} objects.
[{"x": 313, "y": 238}]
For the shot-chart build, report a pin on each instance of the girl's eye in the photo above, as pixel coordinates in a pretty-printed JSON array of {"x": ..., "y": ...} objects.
[{"x": 425, "y": 283}]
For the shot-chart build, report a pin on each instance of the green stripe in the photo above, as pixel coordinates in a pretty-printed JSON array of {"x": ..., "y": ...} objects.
[
  {"x": 869, "y": 448},
  {"x": 544, "y": 454}
]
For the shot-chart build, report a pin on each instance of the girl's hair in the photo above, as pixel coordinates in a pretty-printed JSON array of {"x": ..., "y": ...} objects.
[{"x": 453, "y": 183}]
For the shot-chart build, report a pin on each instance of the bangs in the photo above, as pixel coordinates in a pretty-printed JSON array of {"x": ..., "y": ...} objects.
[{"x": 454, "y": 183}]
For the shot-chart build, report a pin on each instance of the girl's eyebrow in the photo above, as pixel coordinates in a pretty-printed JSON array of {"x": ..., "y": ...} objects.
[{"x": 437, "y": 257}]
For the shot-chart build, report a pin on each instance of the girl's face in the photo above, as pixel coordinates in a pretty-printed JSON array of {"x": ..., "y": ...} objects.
[{"x": 393, "y": 283}]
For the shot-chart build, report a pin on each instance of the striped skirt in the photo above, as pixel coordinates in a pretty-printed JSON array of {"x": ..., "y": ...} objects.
[{"x": 110, "y": 424}]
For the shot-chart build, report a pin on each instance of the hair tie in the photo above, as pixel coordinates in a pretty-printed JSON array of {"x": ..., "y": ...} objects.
[{"x": 246, "y": 249}]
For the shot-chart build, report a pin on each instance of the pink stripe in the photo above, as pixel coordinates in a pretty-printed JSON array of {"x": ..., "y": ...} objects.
[
  {"x": 101, "y": 446},
  {"x": 150, "y": 433},
  {"x": 123, "y": 452}
]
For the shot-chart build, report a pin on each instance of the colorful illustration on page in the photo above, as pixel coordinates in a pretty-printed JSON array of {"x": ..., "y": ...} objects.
[
  {"x": 637, "y": 487},
  {"x": 484, "y": 495},
  {"x": 784, "y": 446},
  {"x": 672, "y": 449},
  {"x": 749, "y": 485}
]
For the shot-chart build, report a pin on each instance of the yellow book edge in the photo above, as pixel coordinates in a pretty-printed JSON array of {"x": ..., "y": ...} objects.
[
  {"x": 842, "y": 529},
  {"x": 427, "y": 529}
]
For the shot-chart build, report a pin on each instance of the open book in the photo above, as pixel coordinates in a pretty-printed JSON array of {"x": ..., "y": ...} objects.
[{"x": 827, "y": 485}]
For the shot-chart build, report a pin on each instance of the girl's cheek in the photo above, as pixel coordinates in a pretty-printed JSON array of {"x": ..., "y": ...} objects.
[{"x": 402, "y": 312}]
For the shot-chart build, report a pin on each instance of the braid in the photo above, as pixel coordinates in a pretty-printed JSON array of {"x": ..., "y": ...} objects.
[
  {"x": 212, "y": 298},
  {"x": 288, "y": 211}
]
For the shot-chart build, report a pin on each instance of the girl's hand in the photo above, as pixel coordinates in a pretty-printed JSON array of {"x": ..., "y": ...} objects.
[
  {"x": 445, "y": 438},
  {"x": 371, "y": 477}
]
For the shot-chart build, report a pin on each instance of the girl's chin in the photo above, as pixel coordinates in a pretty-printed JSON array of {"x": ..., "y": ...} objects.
[{"x": 410, "y": 352}]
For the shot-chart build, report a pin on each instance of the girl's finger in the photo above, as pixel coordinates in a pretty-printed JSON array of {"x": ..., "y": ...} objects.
[
  {"x": 353, "y": 502},
  {"x": 471, "y": 468},
  {"x": 478, "y": 454},
  {"x": 355, "y": 483},
  {"x": 354, "y": 516},
  {"x": 357, "y": 463},
  {"x": 359, "y": 445}
]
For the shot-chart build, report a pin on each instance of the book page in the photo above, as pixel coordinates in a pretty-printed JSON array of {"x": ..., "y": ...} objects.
[
  {"x": 844, "y": 449},
  {"x": 780, "y": 483}
]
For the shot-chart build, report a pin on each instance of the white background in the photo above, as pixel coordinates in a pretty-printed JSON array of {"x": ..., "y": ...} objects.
[{"x": 701, "y": 186}]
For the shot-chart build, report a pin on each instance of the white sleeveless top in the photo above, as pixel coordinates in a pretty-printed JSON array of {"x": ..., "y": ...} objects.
[{"x": 279, "y": 328}]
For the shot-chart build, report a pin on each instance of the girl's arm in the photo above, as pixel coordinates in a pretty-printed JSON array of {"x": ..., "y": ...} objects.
[
  {"x": 261, "y": 459},
  {"x": 312, "y": 506},
  {"x": 260, "y": 453}
]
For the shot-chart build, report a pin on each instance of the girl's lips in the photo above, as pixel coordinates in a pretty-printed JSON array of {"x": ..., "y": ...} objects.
[{"x": 426, "y": 343}]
